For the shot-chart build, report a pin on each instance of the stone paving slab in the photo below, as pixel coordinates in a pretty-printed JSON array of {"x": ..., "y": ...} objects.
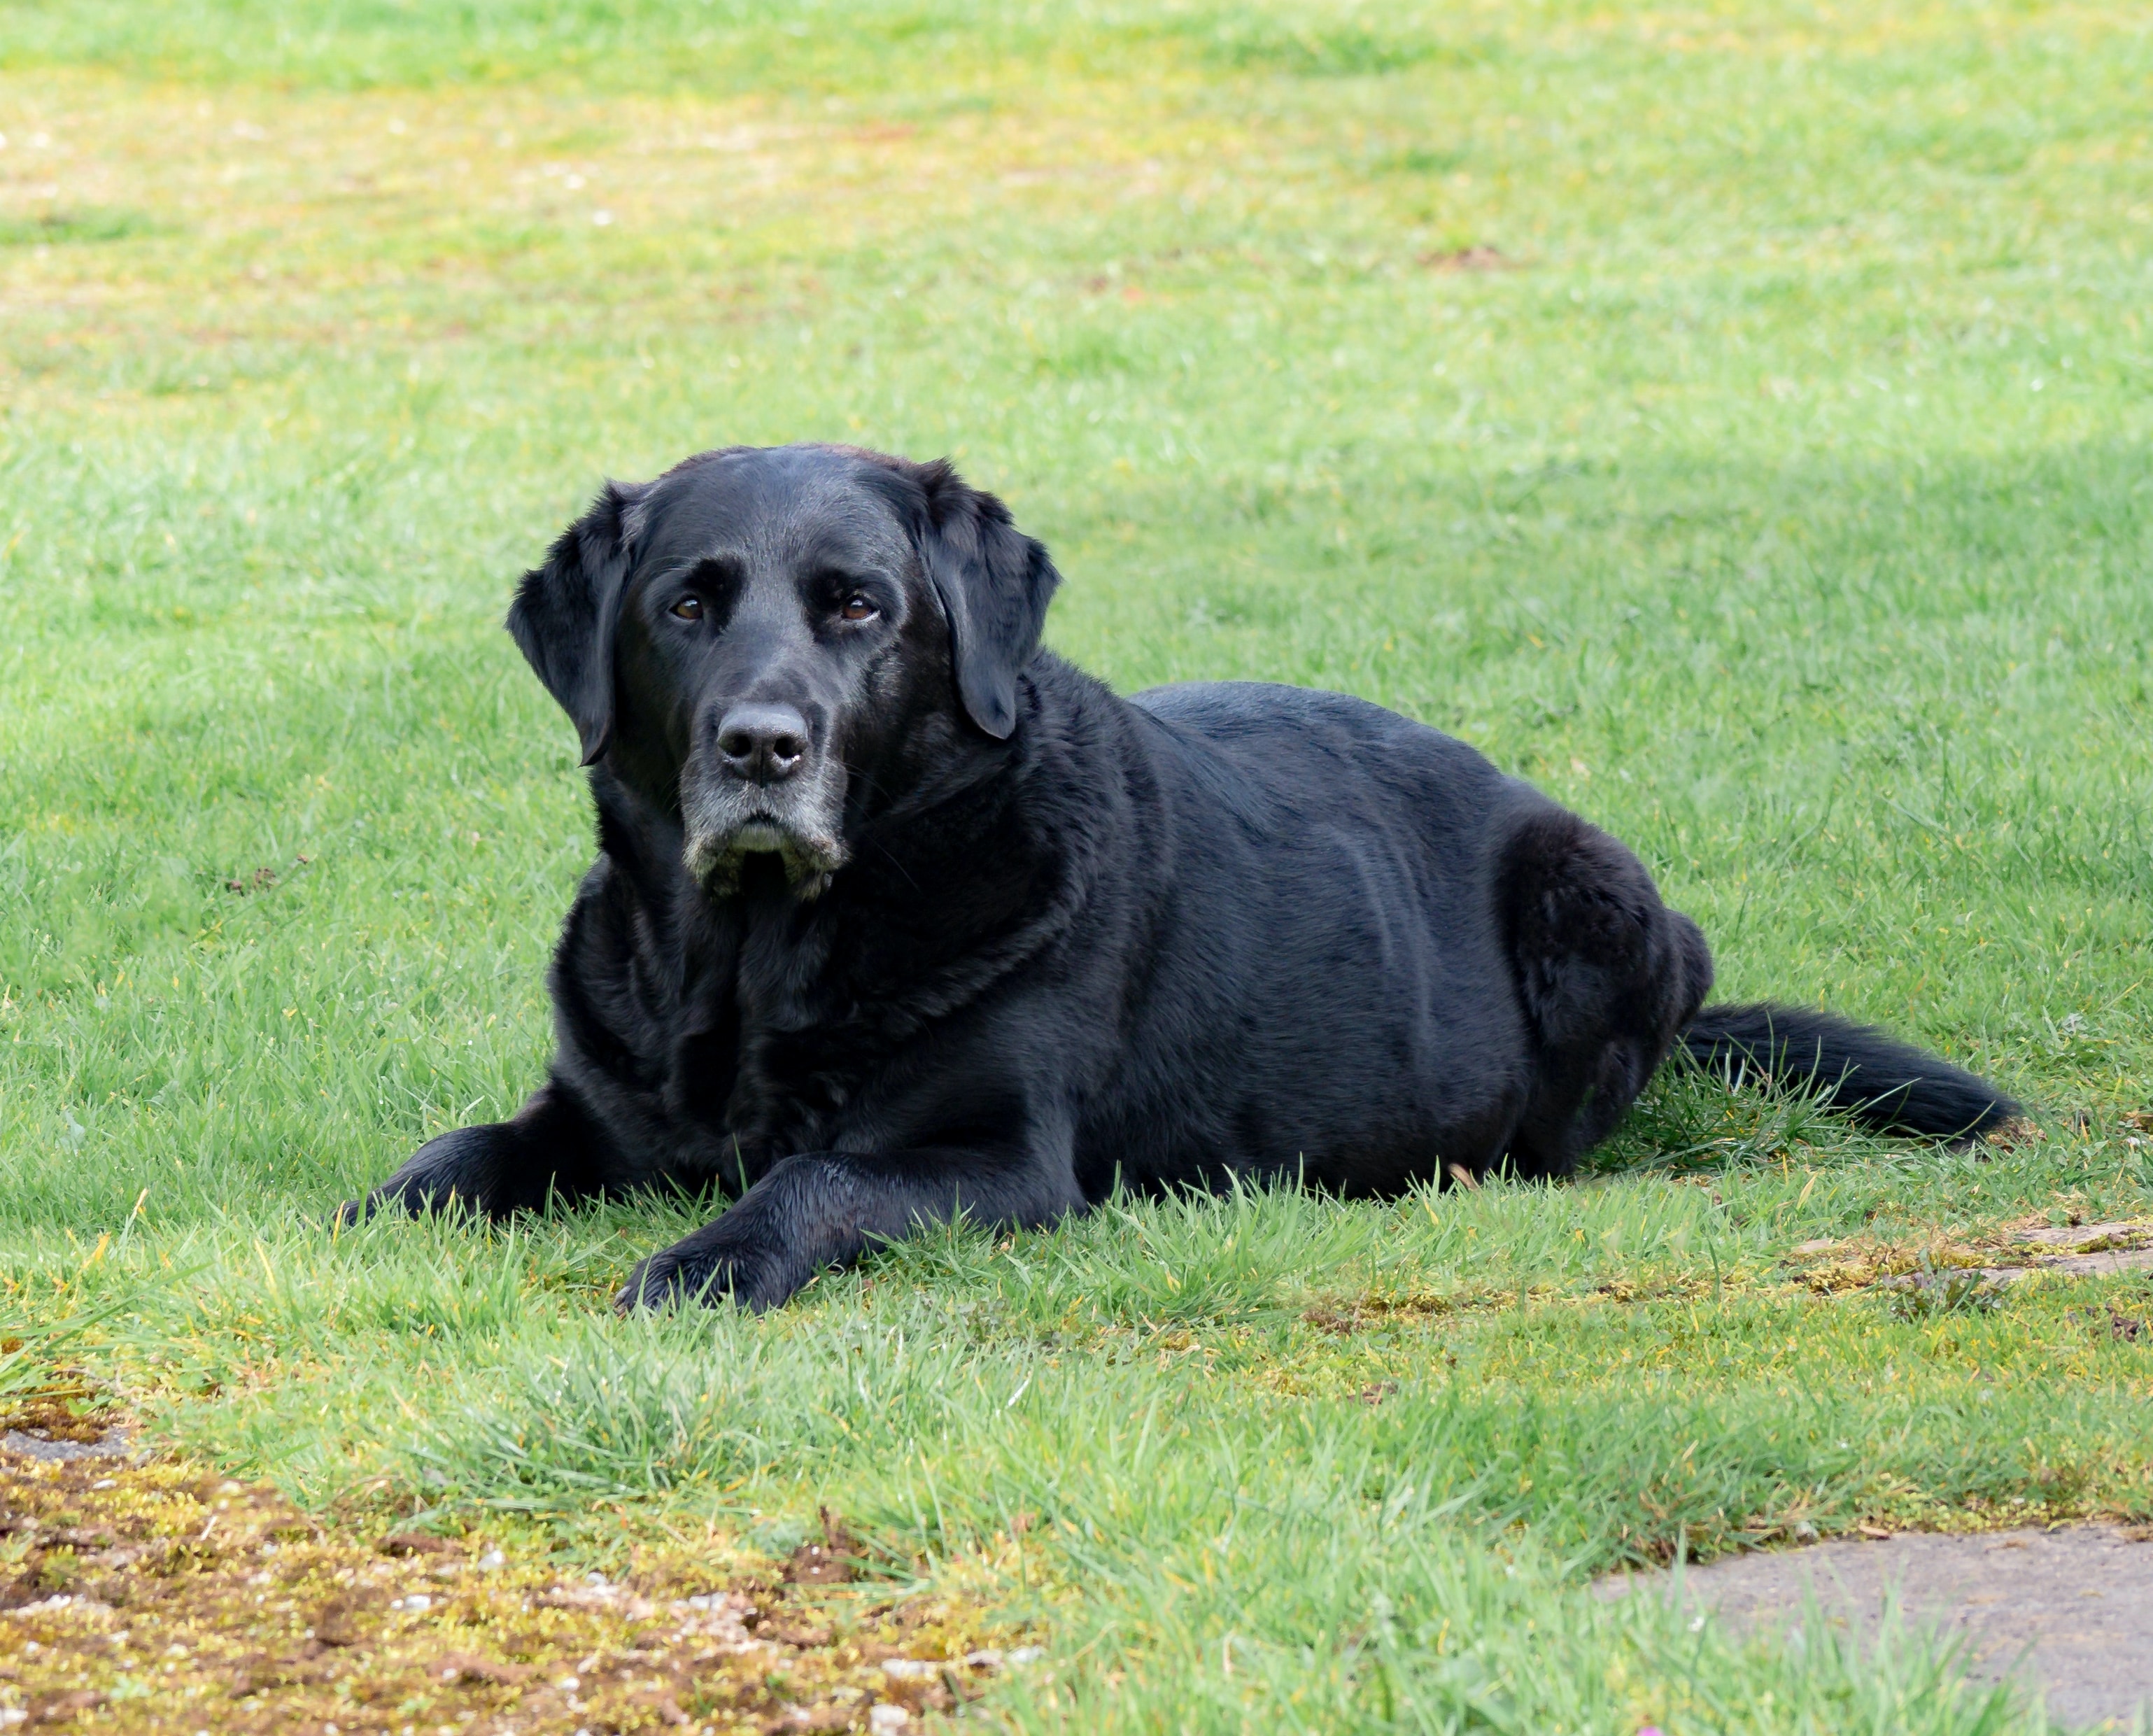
[
  {"x": 2081, "y": 1251},
  {"x": 2069, "y": 1612}
]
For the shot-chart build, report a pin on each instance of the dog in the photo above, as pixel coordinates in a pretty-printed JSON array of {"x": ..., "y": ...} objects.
[{"x": 897, "y": 916}]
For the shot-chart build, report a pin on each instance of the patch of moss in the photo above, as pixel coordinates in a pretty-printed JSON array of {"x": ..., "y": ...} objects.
[{"x": 148, "y": 1594}]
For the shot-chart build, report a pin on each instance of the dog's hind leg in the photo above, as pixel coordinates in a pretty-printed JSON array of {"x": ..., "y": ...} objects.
[
  {"x": 1608, "y": 974},
  {"x": 546, "y": 1154}
]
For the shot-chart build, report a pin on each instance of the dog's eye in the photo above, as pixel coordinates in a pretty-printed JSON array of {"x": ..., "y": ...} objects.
[
  {"x": 860, "y": 607},
  {"x": 688, "y": 608}
]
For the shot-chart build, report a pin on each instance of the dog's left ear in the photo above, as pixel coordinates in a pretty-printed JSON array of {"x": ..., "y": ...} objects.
[
  {"x": 994, "y": 583},
  {"x": 564, "y": 613}
]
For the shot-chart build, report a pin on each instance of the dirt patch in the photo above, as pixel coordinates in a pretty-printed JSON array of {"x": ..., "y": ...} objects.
[
  {"x": 1667, "y": 1290},
  {"x": 2114, "y": 1324},
  {"x": 1345, "y": 1316},
  {"x": 1476, "y": 259},
  {"x": 2069, "y": 1612},
  {"x": 833, "y": 1562},
  {"x": 139, "y": 1596},
  {"x": 262, "y": 879}
]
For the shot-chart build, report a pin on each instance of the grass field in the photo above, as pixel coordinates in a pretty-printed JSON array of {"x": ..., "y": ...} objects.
[{"x": 1733, "y": 417}]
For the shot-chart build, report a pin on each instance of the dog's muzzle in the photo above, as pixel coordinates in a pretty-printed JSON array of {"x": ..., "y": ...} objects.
[{"x": 728, "y": 819}]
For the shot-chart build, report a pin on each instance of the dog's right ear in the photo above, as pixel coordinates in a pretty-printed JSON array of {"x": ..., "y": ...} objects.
[{"x": 565, "y": 611}]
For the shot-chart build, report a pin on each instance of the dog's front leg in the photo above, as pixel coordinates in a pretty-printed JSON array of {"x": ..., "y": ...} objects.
[
  {"x": 826, "y": 1209},
  {"x": 546, "y": 1152}
]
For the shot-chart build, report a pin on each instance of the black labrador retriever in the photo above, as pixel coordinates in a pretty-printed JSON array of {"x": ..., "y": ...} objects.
[{"x": 896, "y": 915}]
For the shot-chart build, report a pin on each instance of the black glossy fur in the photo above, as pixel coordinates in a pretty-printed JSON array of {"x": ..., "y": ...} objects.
[{"x": 990, "y": 938}]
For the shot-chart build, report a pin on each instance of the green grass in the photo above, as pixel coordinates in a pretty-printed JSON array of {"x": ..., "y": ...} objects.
[{"x": 1782, "y": 504}]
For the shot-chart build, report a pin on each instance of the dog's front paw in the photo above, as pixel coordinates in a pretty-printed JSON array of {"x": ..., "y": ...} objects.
[
  {"x": 412, "y": 1197},
  {"x": 702, "y": 1269},
  {"x": 354, "y": 1213}
]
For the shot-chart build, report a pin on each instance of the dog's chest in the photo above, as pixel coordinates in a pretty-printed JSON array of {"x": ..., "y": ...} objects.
[
  {"x": 795, "y": 1031},
  {"x": 807, "y": 1043}
]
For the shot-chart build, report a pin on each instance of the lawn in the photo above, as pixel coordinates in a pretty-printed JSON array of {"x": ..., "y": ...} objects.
[{"x": 1733, "y": 417}]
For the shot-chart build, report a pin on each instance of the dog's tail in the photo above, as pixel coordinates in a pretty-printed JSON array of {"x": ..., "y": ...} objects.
[{"x": 1880, "y": 1082}]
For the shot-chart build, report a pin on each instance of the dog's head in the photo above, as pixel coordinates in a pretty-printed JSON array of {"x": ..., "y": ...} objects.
[{"x": 769, "y": 637}]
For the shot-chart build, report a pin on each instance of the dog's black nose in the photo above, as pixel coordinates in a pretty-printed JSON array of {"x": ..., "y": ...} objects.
[{"x": 762, "y": 743}]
